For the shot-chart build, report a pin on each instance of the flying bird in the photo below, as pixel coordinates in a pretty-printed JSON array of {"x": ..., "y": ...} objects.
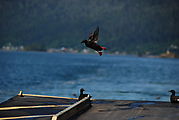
[{"x": 92, "y": 42}]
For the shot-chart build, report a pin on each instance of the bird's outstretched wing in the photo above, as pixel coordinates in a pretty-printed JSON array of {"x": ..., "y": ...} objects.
[{"x": 95, "y": 35}]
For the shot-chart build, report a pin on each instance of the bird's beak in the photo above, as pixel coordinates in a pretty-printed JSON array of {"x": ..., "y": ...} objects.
[
  {"x": 82, "y": 42},
  {"x": 169, "y": 91}
]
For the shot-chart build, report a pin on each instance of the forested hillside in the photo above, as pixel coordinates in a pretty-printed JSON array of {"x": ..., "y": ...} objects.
[{"x": 133, "y": 26}]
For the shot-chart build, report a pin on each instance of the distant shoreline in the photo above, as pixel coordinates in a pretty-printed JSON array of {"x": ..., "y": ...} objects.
[{"x": 163, "y": 55}]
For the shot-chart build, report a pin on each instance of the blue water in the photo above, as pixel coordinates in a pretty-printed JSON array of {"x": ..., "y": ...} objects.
[{"x": 104, "y": 77}]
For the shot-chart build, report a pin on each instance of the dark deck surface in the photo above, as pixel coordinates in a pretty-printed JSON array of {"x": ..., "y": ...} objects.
[
  {"x": 131, "y": 110},
  {"x": 32, "y": 106},
  {"x": 43, "y": 107}
]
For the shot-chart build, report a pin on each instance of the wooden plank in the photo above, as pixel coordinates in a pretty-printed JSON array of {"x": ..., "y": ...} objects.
[
  {"x": 46, "y": 96},
  {"x": 73, "y": 110},
  {"x": 26, "y": 117},
  {"x": 28, "y": 107}
]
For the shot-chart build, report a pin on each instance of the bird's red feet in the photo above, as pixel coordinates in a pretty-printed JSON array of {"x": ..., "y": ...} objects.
[
  {"x": 104, "y": 48},
  {"x": 100, "y": 53}
]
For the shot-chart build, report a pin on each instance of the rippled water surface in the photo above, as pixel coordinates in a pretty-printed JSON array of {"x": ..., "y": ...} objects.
[{"x": 104, "y": 77}]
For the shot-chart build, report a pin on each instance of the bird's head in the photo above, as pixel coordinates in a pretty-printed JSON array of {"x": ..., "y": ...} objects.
[
  {"x": 172, "y": 91},
  {"x": 81, "y": 90}
]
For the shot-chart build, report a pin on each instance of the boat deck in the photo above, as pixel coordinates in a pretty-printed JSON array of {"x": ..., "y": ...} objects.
[{"x": 40, "y": 107}]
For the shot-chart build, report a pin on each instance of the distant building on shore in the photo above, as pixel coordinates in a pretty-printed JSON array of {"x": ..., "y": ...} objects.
[
  {"x": 172, "y": 52},
  {"x": 62, "y": 50},
  {"x": 10, "y": 47}
]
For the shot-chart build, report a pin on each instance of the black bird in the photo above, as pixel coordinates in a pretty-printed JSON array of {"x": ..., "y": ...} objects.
[
  {"x": 92, "y": 42},
  {"x": 81, "y": 94},
  {"x": 173, "y": 98}
]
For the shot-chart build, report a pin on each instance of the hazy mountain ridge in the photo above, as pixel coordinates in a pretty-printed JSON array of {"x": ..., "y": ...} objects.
[{"x": 125, "y": 25}]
